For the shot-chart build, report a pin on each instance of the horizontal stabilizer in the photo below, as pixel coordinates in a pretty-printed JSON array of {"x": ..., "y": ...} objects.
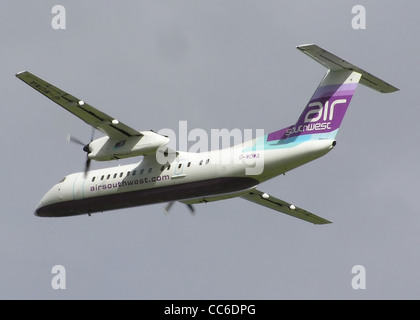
[
  {"x": 271, "y": 202},
  {"x": 334, "y": 63}
]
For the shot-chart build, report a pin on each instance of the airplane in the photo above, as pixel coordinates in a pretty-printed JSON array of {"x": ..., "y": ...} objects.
[{"x": 167, "y": 176}]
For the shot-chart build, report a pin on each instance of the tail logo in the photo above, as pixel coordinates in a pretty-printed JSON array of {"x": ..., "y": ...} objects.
[
  {"x": 319, "y": 117},
  {"x": 320, "y": 110}
]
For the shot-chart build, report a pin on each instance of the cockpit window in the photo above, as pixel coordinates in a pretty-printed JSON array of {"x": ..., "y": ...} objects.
[{"x": 62, "y": 180}]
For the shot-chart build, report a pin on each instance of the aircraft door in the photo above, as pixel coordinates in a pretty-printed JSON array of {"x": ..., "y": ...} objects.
[
  {"x": 78, "y": 186},
  {"x": 179, "y": 170}
]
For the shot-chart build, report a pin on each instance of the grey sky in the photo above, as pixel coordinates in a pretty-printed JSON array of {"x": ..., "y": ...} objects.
[{"x": 216, "y": 64}]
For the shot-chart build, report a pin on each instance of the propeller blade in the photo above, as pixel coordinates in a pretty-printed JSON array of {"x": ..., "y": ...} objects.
[
  {"x": 192, "y": 210},
  {"x": 92, "y": 134},
  {"x": 168, "y": 207},
  {"x": 170, "y": 204},
  {"x": 86, "y": 148},
  {"x": 87, "y": 166},
  {"x": 70, "y": 138}
]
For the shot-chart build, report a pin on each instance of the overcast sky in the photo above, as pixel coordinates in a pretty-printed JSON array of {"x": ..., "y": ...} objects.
[{"x": 215, "y": 64}]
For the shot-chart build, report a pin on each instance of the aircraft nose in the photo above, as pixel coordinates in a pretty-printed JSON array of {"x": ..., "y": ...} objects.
[
  {"x": 38, "y": 207},
  {"x": 41, "y": 210},
  {"x": 46, "y": 203}
]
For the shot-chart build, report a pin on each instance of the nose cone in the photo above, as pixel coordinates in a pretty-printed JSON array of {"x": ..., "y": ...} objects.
[{"x": 45, "y": 207}]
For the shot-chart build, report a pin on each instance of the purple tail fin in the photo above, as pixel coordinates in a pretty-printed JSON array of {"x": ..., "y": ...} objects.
[{"x": 325, "y": 111}]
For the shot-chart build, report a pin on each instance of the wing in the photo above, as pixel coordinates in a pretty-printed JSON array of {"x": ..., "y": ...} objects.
[
  {"x": 97, "y": 119},
  {"x": 271, "y": 202}
]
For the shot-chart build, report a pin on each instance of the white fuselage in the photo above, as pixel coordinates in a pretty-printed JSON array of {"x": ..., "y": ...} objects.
[
  {"x": 167, "y": 176},
  {"x": 190, "y": 178}
]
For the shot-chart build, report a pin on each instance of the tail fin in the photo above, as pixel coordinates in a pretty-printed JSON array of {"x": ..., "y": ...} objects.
[{"x": 325, "y": 111}]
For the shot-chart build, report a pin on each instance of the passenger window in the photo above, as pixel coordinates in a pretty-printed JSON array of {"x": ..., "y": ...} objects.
[
  {"x": 201, "y": 162},
  {"x": 141, "y": 171},
  {"x": 169, "y": 167},
  {"x": 150, "y": 170},
  {"x": 134, "y": 172},
  {"x": 93, "y": 179},
  {"x": 128, "y": 173},
  {"x": 102, "y": 178},
  {"x": 108, "y": 176},
  {"x": 188, "y": 165},
  {"x": 115, "y": 175},
  {"x": 179, "y": 166},
  {"x": 207, "y": 161},
  {"x": 121, "y": 174},
  {"x": 162, "y": 168}
]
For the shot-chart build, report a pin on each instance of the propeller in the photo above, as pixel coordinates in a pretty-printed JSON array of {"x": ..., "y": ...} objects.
[
  {"x": 192, "y": 210},
  {"x": 170, "y": 204},
  {"x": 168, "y": 207},
  {"x": 86, "y": 149}
]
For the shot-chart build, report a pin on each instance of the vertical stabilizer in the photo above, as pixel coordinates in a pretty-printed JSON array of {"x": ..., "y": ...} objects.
[{"x": 325, "y": 111}]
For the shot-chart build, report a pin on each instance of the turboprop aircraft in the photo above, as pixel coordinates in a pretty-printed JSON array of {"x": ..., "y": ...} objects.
[{"x": 166, "y": 176}]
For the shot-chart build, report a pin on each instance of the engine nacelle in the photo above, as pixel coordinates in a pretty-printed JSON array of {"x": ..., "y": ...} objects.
[{"x": 105, "y": 148}]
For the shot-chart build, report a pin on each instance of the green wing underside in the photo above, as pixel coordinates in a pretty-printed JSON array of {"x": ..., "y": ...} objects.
[
  {"x": 271, "y": 202},
  {"x": 97, "y": 119}
]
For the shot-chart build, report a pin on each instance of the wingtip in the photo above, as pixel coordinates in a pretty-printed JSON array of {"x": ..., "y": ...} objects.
[
  {"x": 305, "y": 45},
  {"x": 20, "y": 72},
  {"x": 323, "y": 222}
]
